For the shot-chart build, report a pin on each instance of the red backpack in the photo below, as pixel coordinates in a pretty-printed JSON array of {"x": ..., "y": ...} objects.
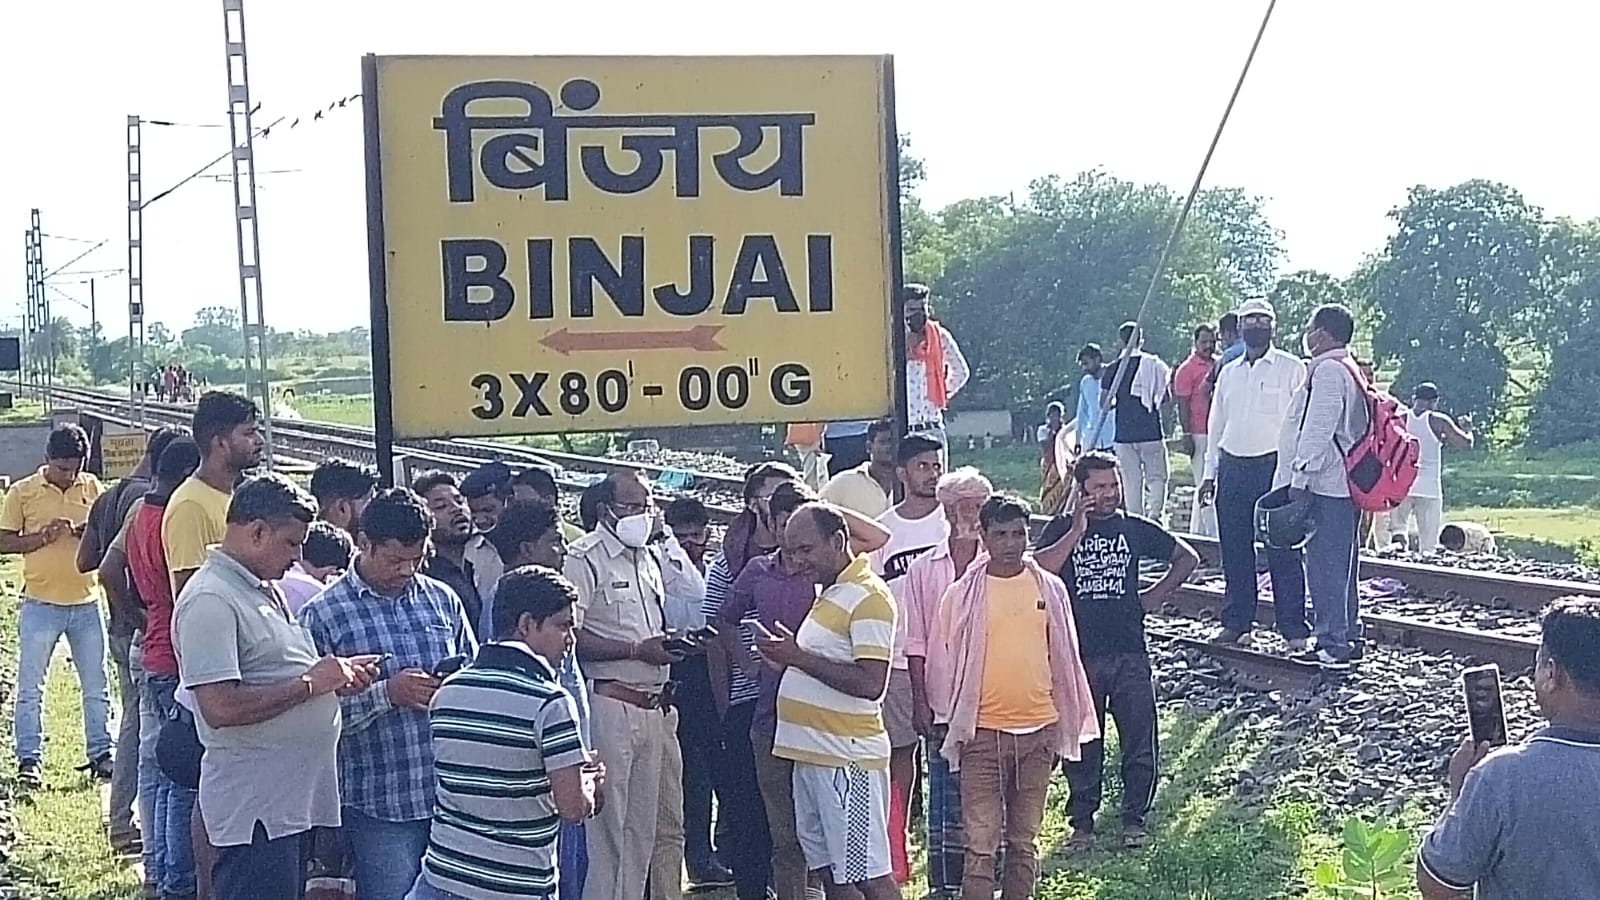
[{"x": 1382, "y": 465}]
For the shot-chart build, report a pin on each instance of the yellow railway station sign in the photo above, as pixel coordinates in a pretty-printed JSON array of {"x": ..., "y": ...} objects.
[{"x": 606, "y": 243}]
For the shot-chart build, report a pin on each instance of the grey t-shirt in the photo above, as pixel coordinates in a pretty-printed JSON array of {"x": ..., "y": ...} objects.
[
  {"x": 1524, "y": 825},
  {"x": 229, "y": 626}
]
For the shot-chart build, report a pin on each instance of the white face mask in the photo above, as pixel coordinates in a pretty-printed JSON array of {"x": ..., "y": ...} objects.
[{"x": 634, "y": 531}]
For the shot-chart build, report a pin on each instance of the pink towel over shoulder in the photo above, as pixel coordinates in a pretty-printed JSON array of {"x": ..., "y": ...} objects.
[{"x": 968, "y": 641}]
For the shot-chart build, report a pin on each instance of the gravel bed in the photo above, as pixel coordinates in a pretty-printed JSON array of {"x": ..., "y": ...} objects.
[
  {"x": 1374, "y": 740},
  {"x": 1502, "y": 565}
]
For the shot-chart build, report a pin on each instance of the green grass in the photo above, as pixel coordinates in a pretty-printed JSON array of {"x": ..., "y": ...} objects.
[{"x": 62, "y": 851}]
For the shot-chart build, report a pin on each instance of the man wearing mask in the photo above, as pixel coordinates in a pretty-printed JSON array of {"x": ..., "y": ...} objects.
[
  {"x": 1141, "y": 438},
  {"x": 1248, "y": 410},
  {"x": 935, "y": 369},
  {"x": 1520, "y": 822},
  {"x": 1328, "y": 413},
  {"x": 624, "y": 650}
]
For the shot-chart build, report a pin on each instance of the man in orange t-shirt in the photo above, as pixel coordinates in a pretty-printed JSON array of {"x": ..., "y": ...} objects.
[{"x": 1192, "y": 384}]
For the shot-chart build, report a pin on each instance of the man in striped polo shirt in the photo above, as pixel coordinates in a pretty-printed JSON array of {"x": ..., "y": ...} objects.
[
  {"x": 830, "y": 707},
  {"x": 508, "y": 756}
]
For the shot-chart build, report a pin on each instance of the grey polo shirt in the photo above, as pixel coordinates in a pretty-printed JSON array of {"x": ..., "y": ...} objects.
[
  {"x": 231, "y": 626},
  {"x": 1524, "y": 827}
]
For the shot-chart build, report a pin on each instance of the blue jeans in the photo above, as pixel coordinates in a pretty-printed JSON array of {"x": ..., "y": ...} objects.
[
  {"x": 168, "y": 851},
  {"x": 40, "y": 626},
  {"x": 388, "y": 855},
  {"x": 572, "y": 860},
  {"x": 1331, "y": 574}
]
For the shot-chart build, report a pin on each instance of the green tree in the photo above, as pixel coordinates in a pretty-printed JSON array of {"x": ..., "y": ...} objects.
[
  {"x": 217, "y": 328},
  {"x": 1564, "y": 404},
  {"x": 1027, "y": 283},
  {"x": 1456, "y": 286}
]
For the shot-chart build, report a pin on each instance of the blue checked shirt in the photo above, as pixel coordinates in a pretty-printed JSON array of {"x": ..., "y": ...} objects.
[{"x": 386, "y": 751}]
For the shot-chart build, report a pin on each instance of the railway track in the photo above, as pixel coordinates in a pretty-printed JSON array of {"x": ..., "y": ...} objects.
[{"x": 308, "y": 441}]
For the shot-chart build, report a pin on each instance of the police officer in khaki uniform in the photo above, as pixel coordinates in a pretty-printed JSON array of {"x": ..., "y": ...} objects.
[{"x": 622, "y": 645}]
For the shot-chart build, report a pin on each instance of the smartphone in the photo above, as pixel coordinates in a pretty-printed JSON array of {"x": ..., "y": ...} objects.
[
  {"x": 1486, "y": 714},
  {"x": 449, "y": 665}
]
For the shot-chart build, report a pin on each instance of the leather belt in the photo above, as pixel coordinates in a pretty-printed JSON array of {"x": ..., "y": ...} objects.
[{"x": 620, "y": 692}]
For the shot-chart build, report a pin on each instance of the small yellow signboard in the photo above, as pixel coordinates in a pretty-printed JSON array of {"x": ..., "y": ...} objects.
[
  {"x": 606, "y": 243},
  {"x": 120, "y": 452}
]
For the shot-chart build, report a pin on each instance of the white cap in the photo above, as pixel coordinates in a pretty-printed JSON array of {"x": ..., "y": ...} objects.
[{"x": 1256, "y": 306}]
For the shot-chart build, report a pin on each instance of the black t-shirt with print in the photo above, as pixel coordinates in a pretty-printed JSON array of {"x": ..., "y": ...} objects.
[
  {"x": 1102, "y": 577},
  {"x": 1136, "y": 423}
]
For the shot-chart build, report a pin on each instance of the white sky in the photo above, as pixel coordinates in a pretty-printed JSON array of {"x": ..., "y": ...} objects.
[{"x": 1350, "y": 102}]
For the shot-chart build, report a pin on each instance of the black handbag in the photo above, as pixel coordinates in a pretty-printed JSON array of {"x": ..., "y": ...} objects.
[{"x": 178, "y": 748}]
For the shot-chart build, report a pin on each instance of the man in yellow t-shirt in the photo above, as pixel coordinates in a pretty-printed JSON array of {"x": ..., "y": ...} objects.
[
  {"x": 42, "y": 520},
  {"x": 227, "y": 428}
]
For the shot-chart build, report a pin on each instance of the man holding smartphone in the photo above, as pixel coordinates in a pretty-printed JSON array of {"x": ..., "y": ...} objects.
[
  {"x": 382, "y": 605},
  {"x": 42, "y": 520},
  {"x": 1520, "y": 823}
]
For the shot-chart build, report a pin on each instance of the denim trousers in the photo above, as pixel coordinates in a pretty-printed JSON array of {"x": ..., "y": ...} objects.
[
  {"x": 125, "y": 770},
  {"x": 388, "y": 855},
  {"x": 1331, "y": 574},
  {"x": 168, "y": 849},
  {"x": 40, "y": 627}
]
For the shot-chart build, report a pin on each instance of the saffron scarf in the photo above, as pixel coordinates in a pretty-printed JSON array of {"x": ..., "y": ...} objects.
[{"x": 931, "y": 354}]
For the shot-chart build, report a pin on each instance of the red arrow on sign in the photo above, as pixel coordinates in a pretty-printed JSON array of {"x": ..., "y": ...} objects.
[{"x": 700, "y": 338}]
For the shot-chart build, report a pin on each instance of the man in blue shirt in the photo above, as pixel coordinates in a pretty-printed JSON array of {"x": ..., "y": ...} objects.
[
  {"x": 1089, "y": 411},
  {"x": 382, "y": 605}
]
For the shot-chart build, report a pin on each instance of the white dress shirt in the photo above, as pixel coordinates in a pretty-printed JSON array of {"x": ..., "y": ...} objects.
[{"x": 1250, "y": 404}]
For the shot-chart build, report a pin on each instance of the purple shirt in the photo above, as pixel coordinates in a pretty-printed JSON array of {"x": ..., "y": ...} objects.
[{"x": 764, "y": 591}]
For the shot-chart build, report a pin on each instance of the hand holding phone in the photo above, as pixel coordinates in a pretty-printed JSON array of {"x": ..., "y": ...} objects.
[{"x": 1486, "y": 715}]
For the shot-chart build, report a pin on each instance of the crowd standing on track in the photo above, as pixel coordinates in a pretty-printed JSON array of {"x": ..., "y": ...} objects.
[{"x": 444, "y": 692}]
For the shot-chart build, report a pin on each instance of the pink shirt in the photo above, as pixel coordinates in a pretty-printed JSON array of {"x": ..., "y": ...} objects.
[
  {"x": 926, "y": 581},
  {"x": 1189, "y": 385}
]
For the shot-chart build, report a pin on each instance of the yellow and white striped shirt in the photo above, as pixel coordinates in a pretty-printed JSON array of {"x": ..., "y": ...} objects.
[{"x": 853, "y": 619}]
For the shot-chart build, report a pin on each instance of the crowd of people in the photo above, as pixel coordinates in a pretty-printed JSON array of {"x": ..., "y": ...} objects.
[
  {"x": 444, "y": 691},
  {"x": 173, "y": 383}
]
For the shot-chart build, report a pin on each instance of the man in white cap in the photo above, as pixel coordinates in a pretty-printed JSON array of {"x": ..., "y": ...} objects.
[{"x": 1247, "y": 412}]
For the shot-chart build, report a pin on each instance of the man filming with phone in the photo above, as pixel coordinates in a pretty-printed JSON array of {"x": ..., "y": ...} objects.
[
  {"x": 625, "y": 648},
  {"x": 1520, "y": 823}
]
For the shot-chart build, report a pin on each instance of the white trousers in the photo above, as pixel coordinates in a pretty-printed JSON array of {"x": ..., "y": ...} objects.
[
  {"x": 1144, "y": 478},
  {"x": 1202, "y": 519},
  {"x": 1429, "y": 513}
]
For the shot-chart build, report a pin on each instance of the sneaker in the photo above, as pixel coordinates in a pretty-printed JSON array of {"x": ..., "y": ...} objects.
[
  {"x": 1135, "y": 837},
  {"x": 1298, "y": 645},
  {"x": 711, "y": 876},
  {"x": 30, "y": 773},
  {"x": 98, "y": 768},
  {"x": 1229, "y": 636},
  {"x": 1081, "y": 841},
  {"x": 1323, "y": 660}
]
